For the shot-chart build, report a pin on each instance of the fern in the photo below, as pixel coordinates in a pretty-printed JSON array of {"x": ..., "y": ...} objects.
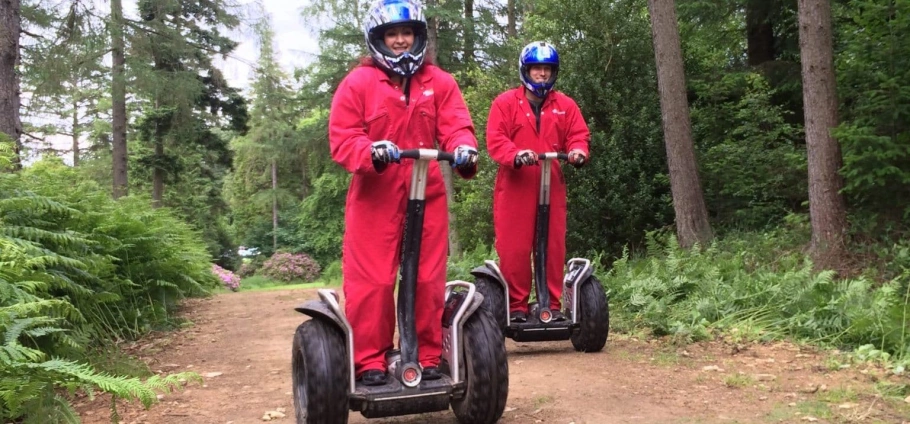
[
  {"x": 76, "y": 266},
  {"x": 686, "y": 292}
]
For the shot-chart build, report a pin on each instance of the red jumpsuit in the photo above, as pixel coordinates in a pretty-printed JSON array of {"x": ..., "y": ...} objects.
[
  {"x": 368, "y": 107},
  {"x": 512, "y": 127}
]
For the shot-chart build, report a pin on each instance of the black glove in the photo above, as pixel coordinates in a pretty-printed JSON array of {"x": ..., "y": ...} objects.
[
  {"x": 525, "y": 157},
  {"x": 465, "y": 158},
  {"x": 383, "y": 153},
  {"x": 465, "y": 161},
  {"x": 577, "y": 158}
]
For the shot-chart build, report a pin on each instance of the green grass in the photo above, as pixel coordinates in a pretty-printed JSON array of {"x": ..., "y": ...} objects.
[
  {"x": 839, "y": 395},
  {"x": 259, "y": 283},
  {"x": 738, "y": 381},
  {"x": 786, "y": 413}
]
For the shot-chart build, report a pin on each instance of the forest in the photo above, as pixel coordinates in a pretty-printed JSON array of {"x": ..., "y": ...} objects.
[{"x": 749, "y": 169}]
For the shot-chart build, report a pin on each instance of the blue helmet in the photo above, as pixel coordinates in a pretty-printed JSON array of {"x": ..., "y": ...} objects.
[
  {"x": 538, "y": 53},
  {"x": 385, "y": 14}
]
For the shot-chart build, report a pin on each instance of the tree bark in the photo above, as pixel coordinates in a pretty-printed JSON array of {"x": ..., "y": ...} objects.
[
  {"x": 469, "y": 32},
  {"x": 158, "y": 172},
  {"x": 432, "y": 51},
  {"x": 512, "y": 12},
  {"x": 759, "y": 32},
  {"x": 118, "y": 101},
  {"x": 274, "y": 205},
  {"x": 10, "y": 124},
  {"x": 76, "y": 133},
  {"x": 432, "y": 34},
  {"x": 688, "y": 201},
  {"x": 827, "y": 209}
]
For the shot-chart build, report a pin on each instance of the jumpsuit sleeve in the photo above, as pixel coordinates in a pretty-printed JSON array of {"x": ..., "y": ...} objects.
[
  {"x": 578, "y": 136},
  {"x": 453, "y": 123},
  {"x": 348, "y": 141},
  {"x": 499, "y": 143}
]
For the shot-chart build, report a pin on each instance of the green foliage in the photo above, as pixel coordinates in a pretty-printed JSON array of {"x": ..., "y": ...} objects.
[
  {"x": 321, "y": 219},
  {"x": 607, "y": 66},
  {"x": 755, "y": 283},
  {"x": 754, "y": 169},
  {"x": 874, "y": 83},
  {"x": 78, "y": 268},
  {"x": 6, "y": 152},
  {"x": 460, "y": 268}
]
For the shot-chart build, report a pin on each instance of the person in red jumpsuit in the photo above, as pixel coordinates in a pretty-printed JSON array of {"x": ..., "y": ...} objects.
[
  {"x": 395, "y": 100},
  {"x": 524, "y": 121}
]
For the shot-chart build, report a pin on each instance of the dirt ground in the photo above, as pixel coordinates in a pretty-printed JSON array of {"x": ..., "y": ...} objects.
[{"x": 241, "y": 344}]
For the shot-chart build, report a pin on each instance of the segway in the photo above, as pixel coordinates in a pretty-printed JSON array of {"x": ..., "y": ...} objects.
[
  {"x": 583, "y": 298},
  {"x": 475, "y": 372}
]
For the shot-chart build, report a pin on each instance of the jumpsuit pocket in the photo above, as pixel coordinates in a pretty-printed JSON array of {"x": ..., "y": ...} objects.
[{"x": 377, "y": 126}]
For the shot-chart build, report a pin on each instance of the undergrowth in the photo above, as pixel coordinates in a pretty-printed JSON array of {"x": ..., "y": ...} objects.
[{"x": 764, "y": 290}]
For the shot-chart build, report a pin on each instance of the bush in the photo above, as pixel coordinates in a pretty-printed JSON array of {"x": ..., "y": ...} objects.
[
  {"x": 290, "y": 267},
  {"x": 228, "y": 278},
  {"x": 251, "y": 266}
]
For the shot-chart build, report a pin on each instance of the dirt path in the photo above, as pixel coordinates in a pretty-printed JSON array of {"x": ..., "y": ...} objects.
[{"x": 241, "y": 342}]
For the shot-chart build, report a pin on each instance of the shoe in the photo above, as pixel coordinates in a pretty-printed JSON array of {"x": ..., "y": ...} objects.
[
  {"x": 373, "y": 378},
  {"x": 431, "y": 373},
  {"x": 519, "y": 316},
  {"x": 558, "y": 315}
]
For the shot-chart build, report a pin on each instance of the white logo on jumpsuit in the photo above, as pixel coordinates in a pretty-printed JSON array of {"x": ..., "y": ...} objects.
[{"x": 558, "y": 112}]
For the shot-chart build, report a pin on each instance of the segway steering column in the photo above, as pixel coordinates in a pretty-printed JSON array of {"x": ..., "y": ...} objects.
[
  {"x": 541, "y": 235},
  {"x": 409, "y": 372}
]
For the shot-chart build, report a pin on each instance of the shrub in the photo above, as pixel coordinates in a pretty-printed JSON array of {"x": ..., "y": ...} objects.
[
  {"x": 251, "y": 266},
  {"x": 290, "y": 267},
  {"x": 228, "y": 278}
]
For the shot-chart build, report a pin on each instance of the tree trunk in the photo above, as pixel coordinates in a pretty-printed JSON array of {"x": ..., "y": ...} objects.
[
  {"x": 118, "y": 101},
  {"x": 827, "y": 210},
  {"x": 75, "y": 133},
  {"x": 432, "y": 50},
  {"x": 274, "y": 205},
  {"x": 304, "y": 191},
  {"x": 469, "y": 32},
  {"x": 10, "y": 125},
  {"x": 759, "y": 32},
  {"x": 432, "y": 34},
  {"x": 157, "y": 172},
  {"x": 688, "y": 201},
  {"x": 511, "y": 10}
]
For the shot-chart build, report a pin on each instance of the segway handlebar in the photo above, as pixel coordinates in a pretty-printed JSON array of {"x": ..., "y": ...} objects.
[
  {"x": 431, "y": 154},
  {"x": 553, "y": 155}
]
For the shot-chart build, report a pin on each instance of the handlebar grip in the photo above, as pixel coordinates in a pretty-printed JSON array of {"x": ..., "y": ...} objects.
[
  {"x": 553, "y": 155},
  {"x": 431, "y": 154}
]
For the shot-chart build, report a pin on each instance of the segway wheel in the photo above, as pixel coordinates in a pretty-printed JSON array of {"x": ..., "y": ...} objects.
[
  {"x": 594, "y": 317},
  {"x": 319, "y": 369},
  {"x": 494, "y": 299},
  {"x": 486, "y": 371}
]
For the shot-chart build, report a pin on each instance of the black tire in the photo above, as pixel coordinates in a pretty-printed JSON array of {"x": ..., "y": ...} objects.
[
  {"x": 494, "y": 299},
  {"x": 486, "y": 372},
  {"x": 593, "y": 317},
  {"x": 319, "y": 370}
]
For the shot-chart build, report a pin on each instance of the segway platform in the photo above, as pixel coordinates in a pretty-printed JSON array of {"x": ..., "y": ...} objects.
[
  {"x": 394, "y": 398},
  {"x": 536, "y": 331}
]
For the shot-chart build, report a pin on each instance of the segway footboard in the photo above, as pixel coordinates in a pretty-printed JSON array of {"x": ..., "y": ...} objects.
[
  {"x": 394, "y": 399},
  {"x": 534, "y": 331}
]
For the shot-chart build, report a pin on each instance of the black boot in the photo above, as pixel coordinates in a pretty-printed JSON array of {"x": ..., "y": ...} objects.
[
  {"x": 431, "y": 373},
  {"x": 374, "y": 378}
]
